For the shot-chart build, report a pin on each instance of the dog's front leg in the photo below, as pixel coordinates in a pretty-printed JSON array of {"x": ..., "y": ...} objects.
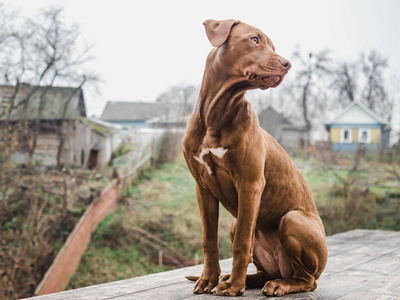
[
  {"x": 248, "y": 208},
  {"x": 208, "y": 207}
]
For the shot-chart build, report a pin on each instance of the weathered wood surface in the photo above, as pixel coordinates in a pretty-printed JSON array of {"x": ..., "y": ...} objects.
[{"x": 362, "y": 264}]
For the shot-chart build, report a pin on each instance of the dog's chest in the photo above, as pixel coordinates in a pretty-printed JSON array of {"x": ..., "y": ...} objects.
[
  {"x": 207, "y": 157},
  {"x": 212, "y": 165}
]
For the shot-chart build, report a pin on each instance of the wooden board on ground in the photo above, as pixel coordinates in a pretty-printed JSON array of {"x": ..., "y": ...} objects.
[{"x": 362, "y": 264}]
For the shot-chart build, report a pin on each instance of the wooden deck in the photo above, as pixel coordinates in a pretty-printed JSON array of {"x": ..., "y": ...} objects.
[{"x": 362, "y": 265}]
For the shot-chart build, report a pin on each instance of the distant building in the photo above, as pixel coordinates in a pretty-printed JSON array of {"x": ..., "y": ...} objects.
[
  {"x": 285, "y": 133},
  {"x": 104, "y": 140},
  {"x": 355, "y": 127},
  {"x": 135, "y": 118},
  {"x": 61, "y": 113},
  {"x": 140, "y": 114}
]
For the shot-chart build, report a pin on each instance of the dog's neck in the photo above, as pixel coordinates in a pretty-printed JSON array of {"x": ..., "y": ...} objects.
[{"x": 221, "y": 102}]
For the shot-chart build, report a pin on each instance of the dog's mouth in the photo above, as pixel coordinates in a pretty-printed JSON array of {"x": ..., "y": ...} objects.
[{"x": 267, "y": 81}]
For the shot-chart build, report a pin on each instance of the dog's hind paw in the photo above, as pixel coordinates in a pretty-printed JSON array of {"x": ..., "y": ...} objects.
[{"x": 274, "y": 288}]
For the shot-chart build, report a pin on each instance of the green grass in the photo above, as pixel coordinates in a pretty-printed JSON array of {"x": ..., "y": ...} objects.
[
  {"x": 112, "y": 256},
  {"x": 319, "y": 182},
  {"x": 105, "y": 264},
  {"x": 164, "y": 205}
]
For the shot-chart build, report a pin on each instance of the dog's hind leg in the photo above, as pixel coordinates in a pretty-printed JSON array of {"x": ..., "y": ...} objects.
[{"x": 304, "y": 249}]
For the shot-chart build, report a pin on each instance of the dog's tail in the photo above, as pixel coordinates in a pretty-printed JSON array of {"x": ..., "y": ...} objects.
[{"x": 192, "y": 278}]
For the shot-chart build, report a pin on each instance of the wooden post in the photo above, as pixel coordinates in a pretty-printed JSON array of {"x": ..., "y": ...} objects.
[
  {"x": 196, "y": 259},
  {"x": 160, "y": 258}
]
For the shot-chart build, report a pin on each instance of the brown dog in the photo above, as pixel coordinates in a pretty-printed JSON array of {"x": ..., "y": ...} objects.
[{"x": 276, "y": 223}]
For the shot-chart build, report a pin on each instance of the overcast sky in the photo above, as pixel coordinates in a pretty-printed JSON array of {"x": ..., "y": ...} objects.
[{"x": 144, "y": 47}]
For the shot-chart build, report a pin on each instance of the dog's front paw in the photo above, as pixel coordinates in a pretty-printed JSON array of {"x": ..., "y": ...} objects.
[
  {"x": 227, "y": 288},
  {"x": 204, "y": 285},
  {"x": 225, "y": 277}
]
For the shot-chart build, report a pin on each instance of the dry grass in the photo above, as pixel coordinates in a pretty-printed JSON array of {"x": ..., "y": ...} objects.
[{"x": 38, "y": 210}]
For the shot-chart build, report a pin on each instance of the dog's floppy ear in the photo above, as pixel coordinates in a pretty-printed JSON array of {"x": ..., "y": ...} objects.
[{"x": 218, "y": 31}]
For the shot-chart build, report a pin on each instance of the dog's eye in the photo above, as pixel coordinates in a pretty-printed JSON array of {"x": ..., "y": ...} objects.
[{"x": 255, "y": 40}]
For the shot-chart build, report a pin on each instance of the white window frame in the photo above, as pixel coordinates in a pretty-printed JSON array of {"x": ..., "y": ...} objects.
[
  {"x": 350, "y": 137},
  {"x": 360, "y": 131}
]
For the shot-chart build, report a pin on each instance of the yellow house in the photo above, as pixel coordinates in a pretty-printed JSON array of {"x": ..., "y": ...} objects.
[{"x": 356, "y": 125}]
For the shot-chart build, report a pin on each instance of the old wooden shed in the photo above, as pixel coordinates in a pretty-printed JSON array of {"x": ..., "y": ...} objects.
[{"x": 51, "y": 127}]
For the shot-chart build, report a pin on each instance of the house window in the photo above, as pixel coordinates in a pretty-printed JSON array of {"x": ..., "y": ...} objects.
[
  {"x": 346, "y": 136},
  {"x": 364, "y": 135}
]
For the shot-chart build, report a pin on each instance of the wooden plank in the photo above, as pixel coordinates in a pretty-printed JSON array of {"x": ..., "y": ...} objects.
[
  {"x": 384, "y": 264},
  {"x": 343, "y": 242},
  {"x": 334, "y": 286},
  {"x": 352, "y": 259},
  {"x": 362, "y": 265},
  {"x": 382, "y": 289},
  {"x": 184, "y": 289}
]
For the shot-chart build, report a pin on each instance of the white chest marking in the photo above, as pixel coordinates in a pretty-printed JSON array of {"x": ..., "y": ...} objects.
[{"x": 219, "y": 152}]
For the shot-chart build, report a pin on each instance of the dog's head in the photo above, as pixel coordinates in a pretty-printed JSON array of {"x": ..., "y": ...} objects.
[{"x": 247, "y": 52}]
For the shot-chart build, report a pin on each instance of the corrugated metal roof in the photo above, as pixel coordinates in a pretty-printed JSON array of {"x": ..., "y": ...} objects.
[
  {"x": 135, "y": 111},
  {"x": 53, "y": 101}
]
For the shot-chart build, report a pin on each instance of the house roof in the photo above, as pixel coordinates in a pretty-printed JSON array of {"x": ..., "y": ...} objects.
[
  {"x": 273, "y": 122},
  {"x": 101, "y": 127},
  {"x": 136, "y": 111},
  {"x": 356, "y": 113},
  {"x": 270, "y": 116},
  {"x": 52, "y": 100}
]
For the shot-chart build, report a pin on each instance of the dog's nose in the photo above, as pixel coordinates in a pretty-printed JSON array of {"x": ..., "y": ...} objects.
[{"x": 285, "y": 64}]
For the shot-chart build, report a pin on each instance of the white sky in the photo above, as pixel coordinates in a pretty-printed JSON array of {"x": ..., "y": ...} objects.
[{"x": 144, "y": 47}]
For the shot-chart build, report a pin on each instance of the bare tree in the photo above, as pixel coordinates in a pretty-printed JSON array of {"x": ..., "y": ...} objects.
[
  {"x": 7, "y": 42},
  {"x": 10, "y": 55},
  {"x": 393, "y": 110},
  {"x": 58, "y": 60},
  {"x": 47, "y": 53},
  {"x": 365, "y": 82},
  {"x": 7, "y": 23},
  {"x": 373, "y": 67},
  {"x": 378, "y": 93},
  {"x": 308, "y": 81},
  {"x": 183, "y": 96},
  {"x": 345, "y": 81}
]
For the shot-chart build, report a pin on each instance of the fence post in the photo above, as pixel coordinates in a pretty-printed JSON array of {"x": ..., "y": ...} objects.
[{"x": 160, "y": 258}]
